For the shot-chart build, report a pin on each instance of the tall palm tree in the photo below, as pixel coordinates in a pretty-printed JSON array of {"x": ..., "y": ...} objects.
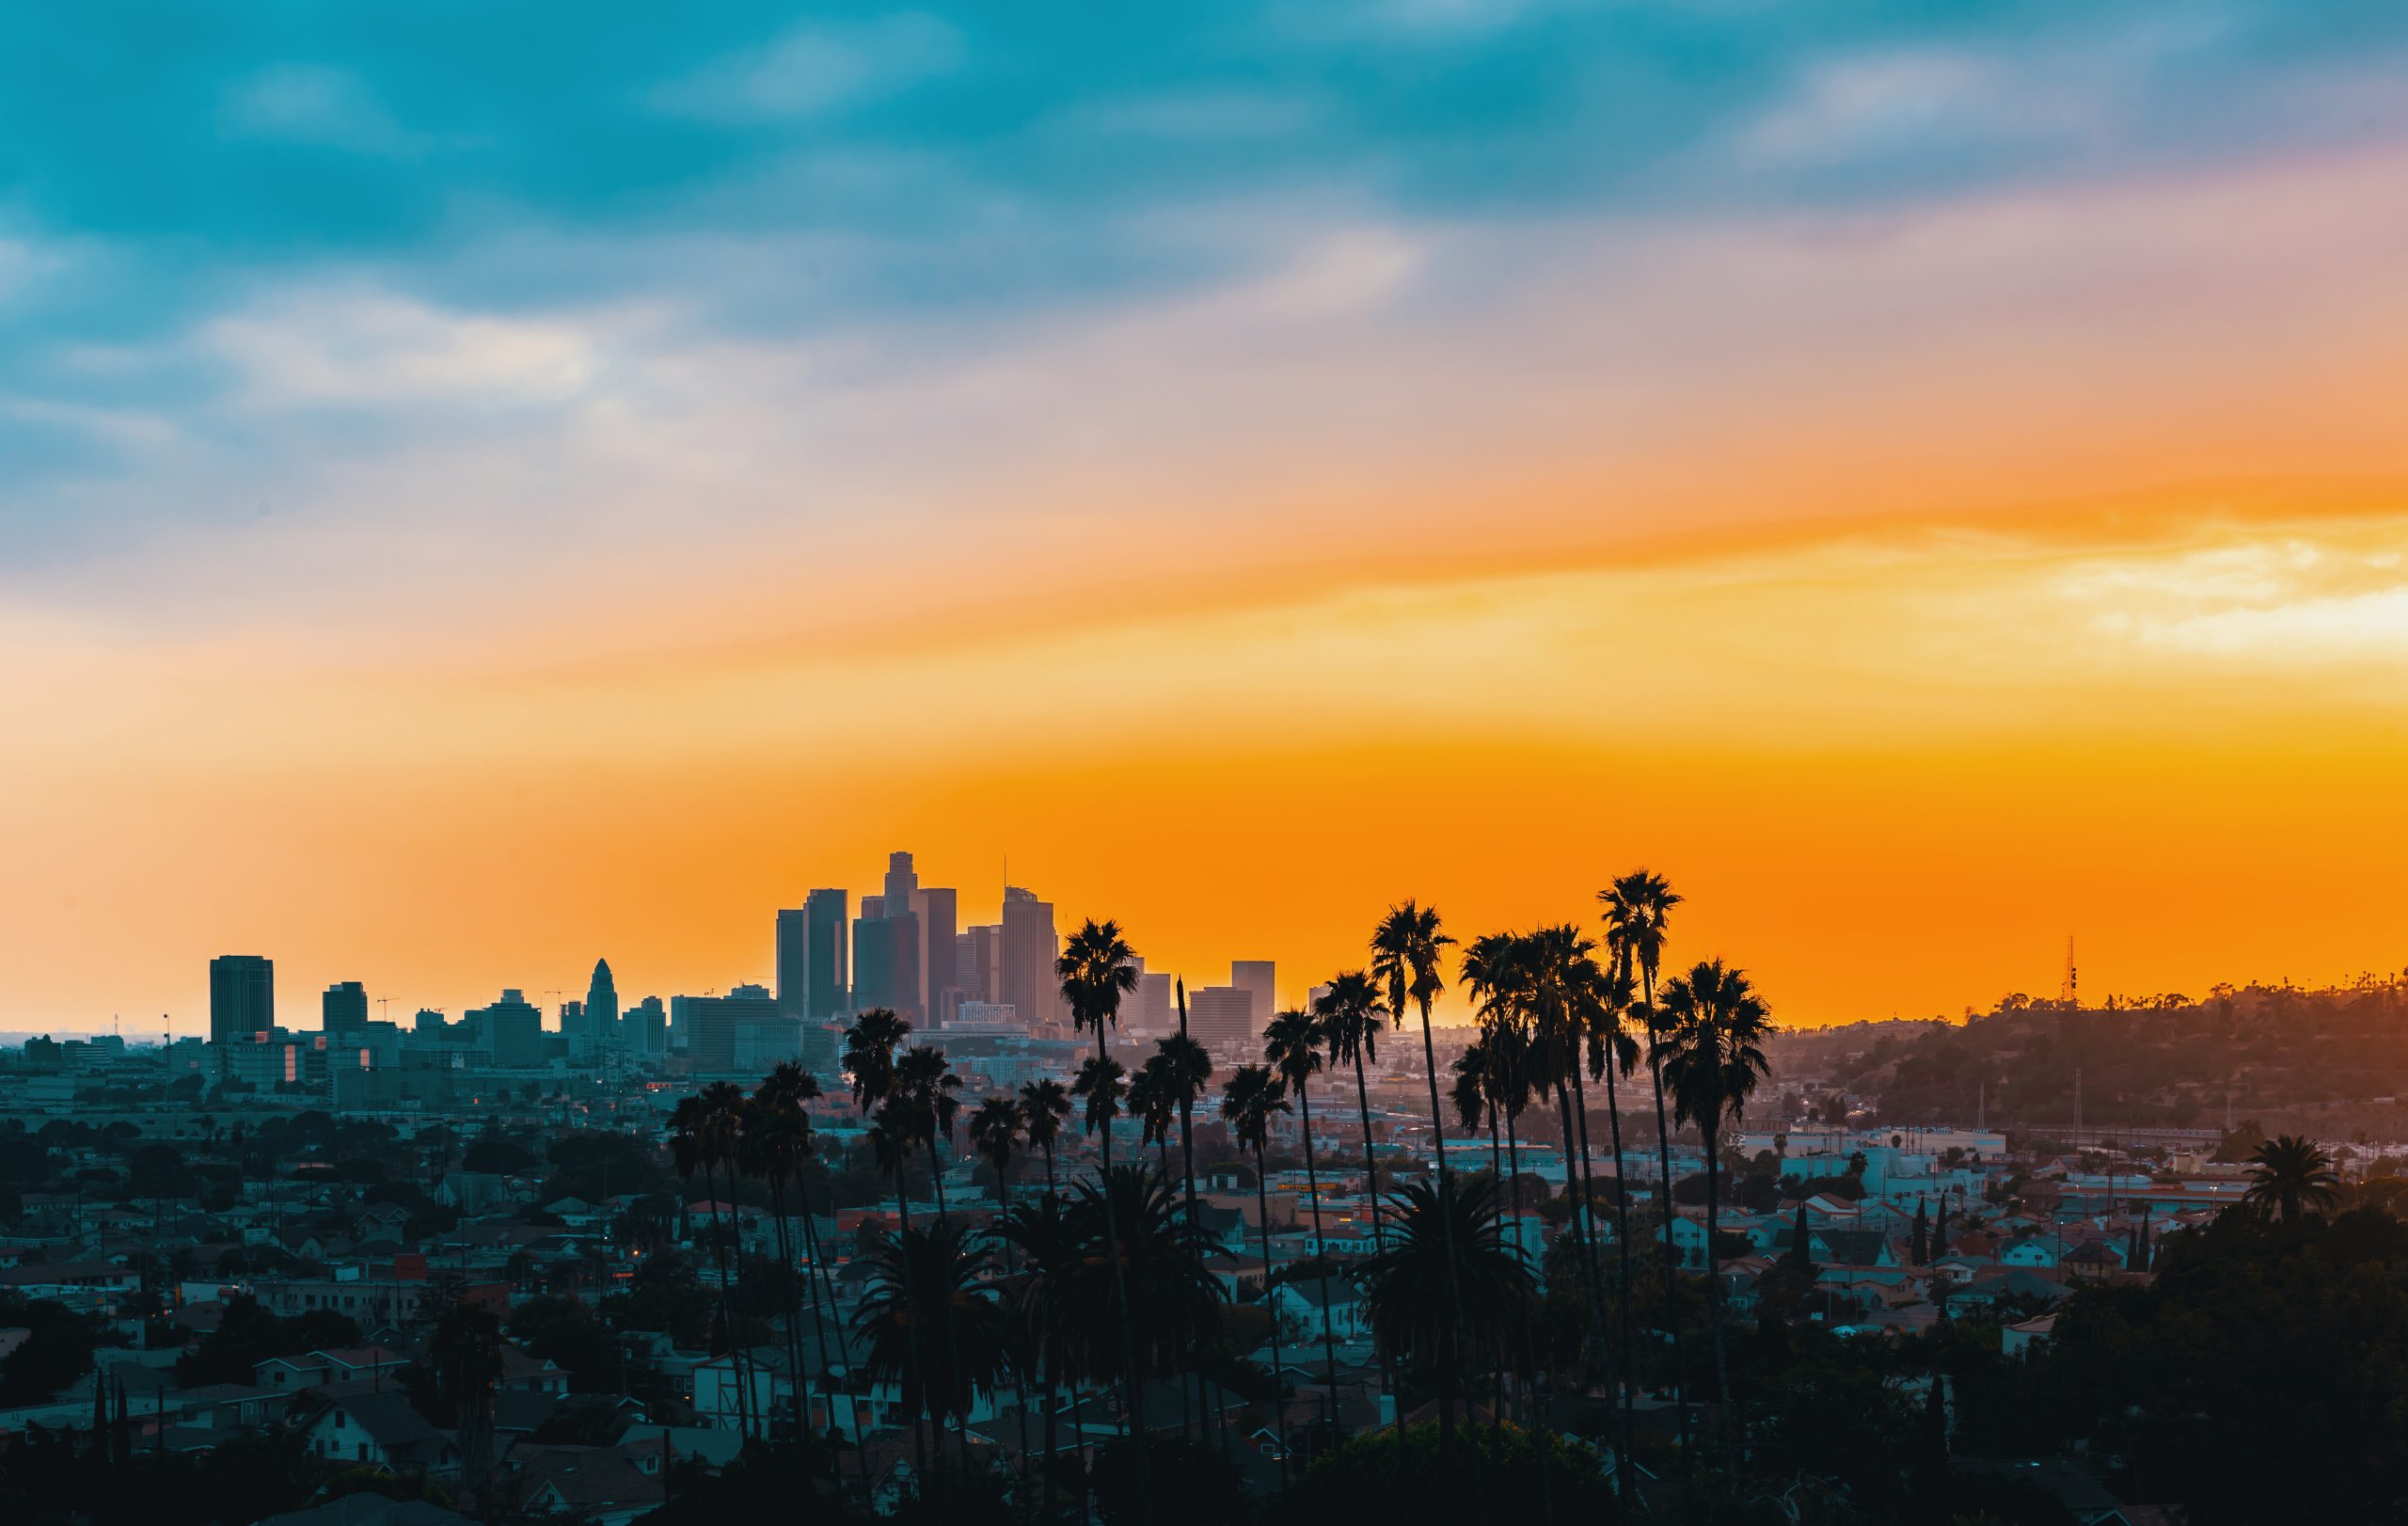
[
  {"x": 1153, "y": 1100},
  {"x": 933, "y": 1279},
  {"x": 1251, "y": 1099},
  {"x": 465, "y": 1350},
  {"x": 1638, "y": 909},
  {"x": 995, "y": 1133},
  {"x": 1188, "y": 1070},
  {"x": 1408, "y": 957},
  {"x": 1097, "y": 968},
  {"x": 1043, "y": 1106},
  {"x": 1351, "y": 1015},
  {"x": 777, "y": 1140},
  {"x": 1045, "y": 1243},
  {"x": 925, "y": 1077},
  {"x": 704, "y": 1135},
  {"x": 1716, "y": 1026},
  {"x": 1446, "y": 1245},
  {"x": 1292, "y": 1045},
  {"x": 870, "y": 1044},
  {"x": 2291, "y": 1175},
  {"x": 895, "y": 1132},
  {"x": 1101, "y": 1087}
]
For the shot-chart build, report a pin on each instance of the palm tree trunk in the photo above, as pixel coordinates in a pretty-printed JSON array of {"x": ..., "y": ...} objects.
[
  {"x": 1446, "y": 1220},
  {"x": 1671, "y": 1258},
  {"x": 793, "y": 1306},
  {"x": 1497, "y": 1415},
  {"x": 727, "y": 1312},
  {"x": 1279, "y": 1393},
  {"x": 936, "y": 1178},
  {"x": 1712, "y": 1123},
  {"x": 1622, "y": 1264},
  {"x": 1321, "y": 1255},
  {"x": 1371, "y": 1167},
  {"x": 1187, "y": 1160},
  {"x": 1591, "y": 1243},
  {"x": 1132, "y": 1396}
]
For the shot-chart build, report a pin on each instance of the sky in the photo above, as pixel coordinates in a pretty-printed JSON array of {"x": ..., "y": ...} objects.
[{"x": 483, "y": 488}]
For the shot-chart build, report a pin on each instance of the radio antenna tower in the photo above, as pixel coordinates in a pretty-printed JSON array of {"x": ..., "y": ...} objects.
[{"x": 2067, "y": 994}]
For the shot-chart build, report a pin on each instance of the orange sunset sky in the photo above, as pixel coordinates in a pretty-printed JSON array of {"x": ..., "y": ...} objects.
[{"x": 1932, "y": 498}]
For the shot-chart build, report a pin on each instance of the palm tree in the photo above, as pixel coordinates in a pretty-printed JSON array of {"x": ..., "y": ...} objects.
[
  {"x": 2289, "y": 1176},
  {"x": 465, "y": 1350},
  {"x": 1351, "y": 1016},
  {"x": 1154, "y": 1101},
  {"x": 704, "y": 1131},
  {"x": 1638, "y": 907},
  {"x": 1407, "y": 957},
  {"x": 870, "y": 1044},
  {"x": 925, "y": 1077},
  {"x": 1291, "y": 1044},
  {"x": 1189, "y": 1072},
  {"x": 1045, "y": 1243},
  {"x": 1097, "y": 968},
  {"x": 994, "y": 1132},
  {"x": 1445, "y": 1245},
  {"x": 1043, "y": 1105},
  {"x": 1714, "y": 1035},
  {"x": 777, "y": 1140},
  {"x": 1250, "y": 1100},
  {"x": 933, "y": 1279},
  {"x": 1102, "y": 1087},
  {"x": 895, "y": 1132}
]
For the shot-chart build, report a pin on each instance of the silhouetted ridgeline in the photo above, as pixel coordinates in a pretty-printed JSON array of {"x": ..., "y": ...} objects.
[{"x": 2175, "y": 1062}]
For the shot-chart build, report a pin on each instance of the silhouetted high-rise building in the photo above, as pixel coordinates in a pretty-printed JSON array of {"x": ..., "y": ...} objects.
[
  {"x": 602, "y": 1007},
  {"x": 649, "y": 1023},
  {"x": 939, "y": 916},
  {"x": 978, "y": 966},
  {"x": 1148, "y": 1009},
  {"x": 1221, "y": 1018},
  {"x": 241, "y": 997},
  {"x": 886, "y": 968},
  {"x": 1259, "y": 976},
  {"x": 512, "y": 1029},
  {"x": 794, "y": 961},
  {"x": 343, "y": 1007},
  {"x": 826, "y": 973},
  {"x": 740, "y": 1033},
  {"x": 1030, "y": 948}
]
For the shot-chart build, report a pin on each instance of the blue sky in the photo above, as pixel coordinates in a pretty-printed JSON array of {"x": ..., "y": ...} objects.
[{"x": 183, "y": 186}]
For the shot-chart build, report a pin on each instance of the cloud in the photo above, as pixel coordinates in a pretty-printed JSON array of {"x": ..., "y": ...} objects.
[
  {"x": 364, "y": 348},
  {"x": 317, "y": 104},
  {"x": 813, "y": 69}
]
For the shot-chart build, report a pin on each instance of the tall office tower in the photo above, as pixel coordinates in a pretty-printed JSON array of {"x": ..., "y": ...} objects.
[
  {"x": 1221, "y": 1018},
  {"x": 1149, "y": 1009},
  {"x": 429, "y": 1022},
  {"x": 827, "y": 982},
  {"x": 241, "y": 997},
  {"x": 575, "y": 1037},
  {"x": 979, "y": 972},
  {"x": 902, "y": 880},
  {"x": 602, "y": 1007},
  {"x": 794, "y": 963},
  {"x": 1030, "y": 948},
  {"x": 651, "y": 1023},
  {"x": 512, "y": 1029},
  {"x": 1258, "y": 976},
  {"x": 733, "y": 1034},
  {"x": 343, "y": 1007},
  {"x": 886, "y": 968},
  {"x": 938, "y": 913}
]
